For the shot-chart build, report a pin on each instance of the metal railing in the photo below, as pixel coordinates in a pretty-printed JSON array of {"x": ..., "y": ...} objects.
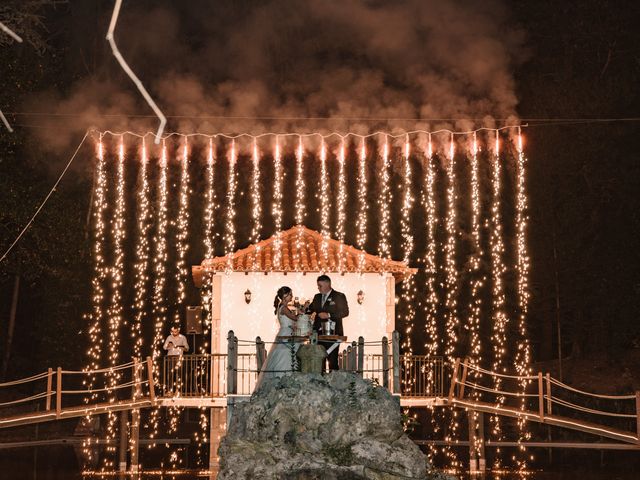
[
  {"x": 422, "y": 376},
  {"x": 204, "y": 375}
]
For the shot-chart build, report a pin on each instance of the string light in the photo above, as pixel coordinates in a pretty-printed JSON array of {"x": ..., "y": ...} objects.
[
  {"x": 499, "y": 318},
  {"x": 327, "y": 136},
  {"x": 276, "y": 206},
  {"x": 384, "y": 200},
  {"x": 361, "y": 237},
  {"x": 324, "y": 202},
  {"x": 341, "y": 204},
  {"x": 230, "y": 229}
]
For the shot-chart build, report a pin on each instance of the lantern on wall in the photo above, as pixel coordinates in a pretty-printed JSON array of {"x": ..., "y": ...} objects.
[
  {"x": 360, "y": 296},
  {"x": 247, "y": 296}
]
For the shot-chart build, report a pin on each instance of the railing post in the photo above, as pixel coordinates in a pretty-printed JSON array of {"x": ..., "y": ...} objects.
[
  {"x": 385, "y": 362},
  {"x": 473, "y": 457},
  {"x": 354, "y": 356},
  {"x": 152, "y": 388},
  {"x": 395, "y": 346},
  {"x": 465, "y": 366},
  {"x": 549, "y": 403},
  {"x": 482, "y": 460},
  {"x": 58, "y": 392},
  {"x": 134, "y": 433},
  {"x": 454, "y": 379},
  {"x": 638, "y": 415},
  {"x": 260, "y": 354},
  {"x": 49, "y": 388},
  {"x": 361, "y": 356},
  {"x": 349, "y": 364},
  {"x": 232, "y": 364},
  {"x": 122, "y": 450},
  {"x": 540, "y": 397}
]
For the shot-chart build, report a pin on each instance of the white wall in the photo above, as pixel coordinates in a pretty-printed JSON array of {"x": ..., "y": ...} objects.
[{"x": 258, "y": 318}]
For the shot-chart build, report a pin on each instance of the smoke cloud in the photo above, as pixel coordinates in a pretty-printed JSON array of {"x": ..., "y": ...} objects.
[{"x": 282, "y": 64}]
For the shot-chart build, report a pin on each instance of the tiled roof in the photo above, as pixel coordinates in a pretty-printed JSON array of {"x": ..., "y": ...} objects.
[{"x": 301, "y": 250}]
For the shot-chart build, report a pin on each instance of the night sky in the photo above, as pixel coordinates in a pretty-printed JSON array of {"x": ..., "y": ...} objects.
[{"x": 568, "y": 70}]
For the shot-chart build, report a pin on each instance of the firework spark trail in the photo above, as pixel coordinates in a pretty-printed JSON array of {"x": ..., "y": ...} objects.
[
  {"x": 256, "y": 206},
  {"x": 384, "y": 200},
  {"x": 341, "y": 204},
  {"x": 361, "y": 236},
  {"x": 431, "y": 304},
  {"x": 211, "y": 203},
  {"x": 477, "y": 281},
  {"x": 408, "y": 286},
  {"x": 452, "y": 320},
  {"x": 451, "y": 299},
  {"x": 300, "y": 201},
  {"x": 499, "y": 317},
  {"x": 182, "y": 233},
  {"x": 523, "y": 350},
  {"x": 159, "y": 307},
  {"x": 100, "y": 272},
  {"x": 115, "y": 311},
  {"x": 230, "y": 228},
  {"x": 276, "y": 206},
  {"x": 201, "y": 435},
  {"x": 142, "y": 252},
  {"x": 182, "y": 273},
  {"x": 324, "y": 202}
]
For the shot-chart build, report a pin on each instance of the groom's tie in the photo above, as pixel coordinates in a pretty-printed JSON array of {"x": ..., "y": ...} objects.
[{"x": 324, "y": 299}]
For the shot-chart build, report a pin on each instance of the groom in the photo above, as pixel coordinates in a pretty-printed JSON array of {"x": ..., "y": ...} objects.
[{"x": 329, "y": 305}]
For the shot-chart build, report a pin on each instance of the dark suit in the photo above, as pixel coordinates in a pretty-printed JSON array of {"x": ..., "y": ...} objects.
[{"x": 336, "y": 305}]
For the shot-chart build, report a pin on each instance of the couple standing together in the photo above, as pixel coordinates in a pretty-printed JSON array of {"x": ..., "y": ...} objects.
[{"x": 328, "y": 304}]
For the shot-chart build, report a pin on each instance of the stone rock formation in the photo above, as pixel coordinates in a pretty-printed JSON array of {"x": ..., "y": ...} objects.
[{"x": 311, "y": 426}]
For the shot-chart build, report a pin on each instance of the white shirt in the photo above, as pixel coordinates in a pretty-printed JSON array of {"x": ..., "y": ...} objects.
[
  {"x": 325, "y": 297},
  {"x": 178, "y": 341}
]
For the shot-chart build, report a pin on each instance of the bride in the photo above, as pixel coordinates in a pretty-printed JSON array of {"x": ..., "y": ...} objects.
[{"x": 282, "y": 354}]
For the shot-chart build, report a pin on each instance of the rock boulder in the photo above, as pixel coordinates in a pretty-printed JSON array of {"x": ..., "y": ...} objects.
[{"x": 311, "y": 426}]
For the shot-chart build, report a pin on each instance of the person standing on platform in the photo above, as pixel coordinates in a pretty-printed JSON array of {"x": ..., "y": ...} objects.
[
  {"x": 176, "y": 344},
  {"x": 329, "y": 305}
]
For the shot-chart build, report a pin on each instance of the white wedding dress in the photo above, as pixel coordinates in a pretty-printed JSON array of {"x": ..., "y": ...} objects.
[{"x": 282, "y": 354}]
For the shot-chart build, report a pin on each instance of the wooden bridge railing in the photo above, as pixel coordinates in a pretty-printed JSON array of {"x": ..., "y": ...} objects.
[
  {"x": 68, "y": 393},
  {"x": 60, "y": 393},
  {"x": 542, "y": 398}
]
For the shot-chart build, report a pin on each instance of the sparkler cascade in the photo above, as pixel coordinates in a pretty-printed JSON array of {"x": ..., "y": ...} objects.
[{"x": 449, "y": 220}]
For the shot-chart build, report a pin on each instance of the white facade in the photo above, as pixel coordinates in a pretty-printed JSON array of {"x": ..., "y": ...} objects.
[{"x": 373, "y": 319}]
